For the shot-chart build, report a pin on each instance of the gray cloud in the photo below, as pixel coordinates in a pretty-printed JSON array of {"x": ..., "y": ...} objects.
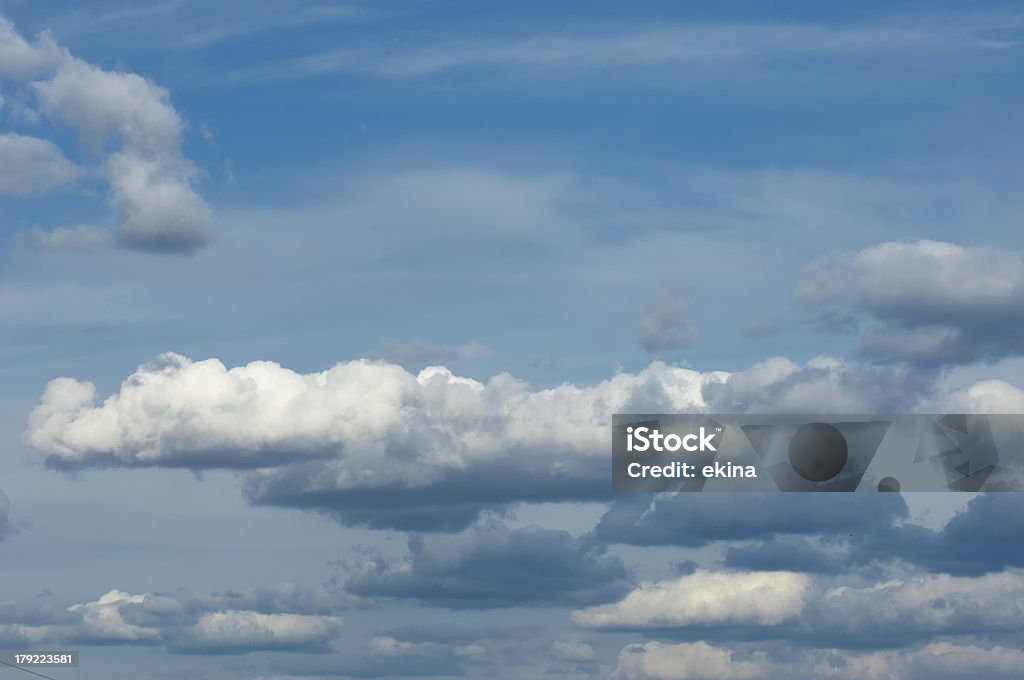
[
  {"x": 736, "y": 517},
  {"x": 703, "y": 661},
  {"x": 490, "y": 565},
  {"x": 665, "y": 326},
  {"x": 935, "y": 303},
  {"x": 6, "y": 528}
]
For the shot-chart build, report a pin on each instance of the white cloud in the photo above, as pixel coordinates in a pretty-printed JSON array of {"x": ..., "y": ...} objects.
[
  {"x": 322, "y": 440},
  {"x": 29, "y": 165},
  {"x": 128, "y": 122},
  {"x": 247, "y": 630},
  {"x": 103, "y": 620},
  {"x": 899, "y": 610},
  {"x": 985, "y": 396},
  {"x": 706, "y": 598},
  {"x": 685, "y": 661},
  {"x": 23, "y": 60}
]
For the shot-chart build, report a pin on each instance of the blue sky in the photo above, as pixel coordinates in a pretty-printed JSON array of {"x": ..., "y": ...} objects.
[{"x": 290, "y": 291}]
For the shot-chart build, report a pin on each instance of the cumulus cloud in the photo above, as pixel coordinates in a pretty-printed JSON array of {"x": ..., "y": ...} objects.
[
  {"x": 205, "y": 624},
  {"x": 245, "y": 631},
  {"x": 103, "y": 620},
  {"x": 128, "y": 122},
  {"x": 705, "y": 598},
  {"x": 30, "y": 164},
  {"x": 490, "y": 565},
  {"x": 933, "y": 302},
  {"x": 23, "y": 60},
  {"x": 665, "y": 326},
  {"x": 439, "y": 446},
  {"x": 788, "y": 605}
]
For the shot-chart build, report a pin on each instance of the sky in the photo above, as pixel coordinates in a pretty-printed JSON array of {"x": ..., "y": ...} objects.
[{"x": 313, "y": 317}]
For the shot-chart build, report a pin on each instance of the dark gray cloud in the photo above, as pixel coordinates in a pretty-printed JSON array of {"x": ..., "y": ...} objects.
[
  {"x": 933, "y": 303},
  {"x": 979, "y": 540},
  {"x": 490, "y": 565}
]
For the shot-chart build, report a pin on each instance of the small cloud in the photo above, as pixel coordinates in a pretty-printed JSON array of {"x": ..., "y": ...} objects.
[
  {"x": 665, "y": 326},
  {"x": 82, "y": 238}
]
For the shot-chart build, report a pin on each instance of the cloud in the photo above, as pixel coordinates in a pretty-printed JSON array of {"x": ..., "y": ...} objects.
[
  {"x": 684, "y": 48},
  {"x": 22, "y": 60},
  {"x": 103, "y": 621},
  {"x": 934, "y": 303},
  {"x": 6, "y": 528},
  {"x": 204, "y": 624},
  {"x": 79, "y": 238},
  {"x": 29, "y": 165},
  {"x": 440, "y": 447},
  {"x": 898, "y": 612},
  {"x": 978, "y": 540},
  {"x": 572, "y": 650},
  {"x": 709, "y": 518},
  {"x": 686, "y": 661},
  {"x": 245, "y": 631},
  {"x": 128, "y": 122},
  {"x": 705, "y": 598},
  {"x": 490, "y": 565},
  {"x": 699, "y": 660},
  {"x": 665, "y": 326}
]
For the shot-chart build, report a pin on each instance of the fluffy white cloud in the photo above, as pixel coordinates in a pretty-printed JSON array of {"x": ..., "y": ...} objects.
[
  {"x": 985, "y": 396},
  {"x": 706, "y": 598},
  {"x": 126, "y": 120},
  {"x": 103, "y": 619},
  {"x": 384, "y": 423},
  {"x": 23, "y": 60},
  {"x": 29, "y": 164},
  {"x": 432, "y": 440},
  {"x": 936, "y": 302},
  {"x": 897, "y": 611}
]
